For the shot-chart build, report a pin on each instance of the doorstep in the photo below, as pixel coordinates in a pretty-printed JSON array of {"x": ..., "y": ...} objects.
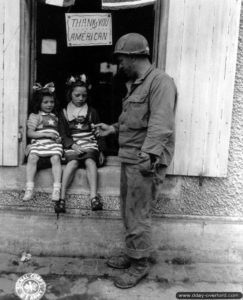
[
  {"x": 13, "y": 178},
  {"x": 12, "y": 184}
]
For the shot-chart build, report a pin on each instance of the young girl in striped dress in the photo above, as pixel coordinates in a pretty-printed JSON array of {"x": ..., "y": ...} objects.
[
  {"x": 45, "y": 147},
  {"x": 81, "y": 148}
]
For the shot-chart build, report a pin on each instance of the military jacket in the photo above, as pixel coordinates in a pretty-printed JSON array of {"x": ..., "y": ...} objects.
[{"x": 147, "y": 119}]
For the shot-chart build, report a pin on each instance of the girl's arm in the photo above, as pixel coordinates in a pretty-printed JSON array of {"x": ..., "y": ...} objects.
[
  {"x": 37, "y": 135},
  {"x": 64, "y": 131},
  {"x": 32, "y": 124}
]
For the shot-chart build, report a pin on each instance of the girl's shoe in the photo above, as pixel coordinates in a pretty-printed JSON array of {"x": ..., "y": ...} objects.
[
  {"x": 28, "y": 195},
  {"x": 96, "y": 203},
  {"x": 60, "y": 206},
  {"x": 55, "y": 194}
]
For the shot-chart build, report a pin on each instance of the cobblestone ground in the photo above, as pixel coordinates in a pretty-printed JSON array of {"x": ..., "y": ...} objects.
[{"x": 90, "y": 279}]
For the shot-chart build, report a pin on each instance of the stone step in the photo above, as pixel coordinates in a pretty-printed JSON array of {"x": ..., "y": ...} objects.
[
  {"x": 179, "y": 240},
  {"x": 33, "y": 226},
  {"x": 108, "y": 179},
  {"x": 13, "y": 178},
  {"x": 41, "y": 203},
  {"x": 12, "y": 184}
]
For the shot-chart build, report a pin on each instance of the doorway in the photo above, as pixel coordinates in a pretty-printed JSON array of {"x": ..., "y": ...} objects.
[{"x": 107, "y": 90}]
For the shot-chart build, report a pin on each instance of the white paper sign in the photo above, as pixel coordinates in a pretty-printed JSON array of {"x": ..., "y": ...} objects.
[
  {"x": 88, "y": 29},
  {"x": 48, "y": 46}
]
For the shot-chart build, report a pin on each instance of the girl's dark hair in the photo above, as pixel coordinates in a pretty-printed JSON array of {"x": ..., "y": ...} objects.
[
  {"x": 72, "y": 86},
  {"x": 37, "y": 100}
]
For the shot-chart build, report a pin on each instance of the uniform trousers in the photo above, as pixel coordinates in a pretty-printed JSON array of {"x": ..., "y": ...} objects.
[{"x": 137, "y": 193}]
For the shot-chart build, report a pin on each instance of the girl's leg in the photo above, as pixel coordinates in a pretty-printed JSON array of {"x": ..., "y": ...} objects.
[
  {"x": 67, "y": 177},
  {"x": 57, "y": 174},
  {"x": 96, "y": 203},
  {"x": 31, "y": 167},
  {"x": 92, "y": 176},
  {"x": 30, "y": 176},
  {"x": 56, "y": 168}
]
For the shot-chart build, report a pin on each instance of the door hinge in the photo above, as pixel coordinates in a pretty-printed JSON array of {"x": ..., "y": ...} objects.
[{"x": 20, "y": 135}]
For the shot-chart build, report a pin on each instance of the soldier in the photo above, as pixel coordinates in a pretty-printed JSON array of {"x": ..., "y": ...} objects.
[{"x": 146, "y": 144}]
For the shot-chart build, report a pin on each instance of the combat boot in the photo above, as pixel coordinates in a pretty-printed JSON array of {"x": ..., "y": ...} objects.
[
  {"x": 138, "y": 270},
  {"x": 119, "y": 262}
]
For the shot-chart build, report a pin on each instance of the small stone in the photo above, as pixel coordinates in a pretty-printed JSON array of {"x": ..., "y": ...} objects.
[
  {"x": 25, "y": 257},
  {"x": 15, "y": 262}
]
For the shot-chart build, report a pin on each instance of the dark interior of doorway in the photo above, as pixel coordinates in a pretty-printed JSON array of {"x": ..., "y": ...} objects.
[{"x": 107, "y": 90}]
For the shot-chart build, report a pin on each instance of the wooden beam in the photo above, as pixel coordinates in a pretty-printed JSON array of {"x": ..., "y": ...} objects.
[
  {"x": 25, "y": 23},
  {"x": 161, "y": 32},
  {"x": 33, "y": 46}
]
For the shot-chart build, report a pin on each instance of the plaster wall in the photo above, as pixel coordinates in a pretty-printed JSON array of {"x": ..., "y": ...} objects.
[{"x": 95, "y": 236}]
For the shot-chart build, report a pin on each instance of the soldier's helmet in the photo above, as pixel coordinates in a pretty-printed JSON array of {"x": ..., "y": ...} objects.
[{"x": 132, "y": 44}]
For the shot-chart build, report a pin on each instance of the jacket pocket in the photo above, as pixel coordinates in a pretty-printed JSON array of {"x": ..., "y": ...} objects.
[{"x": 137, "y": 112}]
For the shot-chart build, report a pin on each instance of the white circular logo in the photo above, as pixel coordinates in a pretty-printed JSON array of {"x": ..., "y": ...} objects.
[{"x": 30, "y": 286}]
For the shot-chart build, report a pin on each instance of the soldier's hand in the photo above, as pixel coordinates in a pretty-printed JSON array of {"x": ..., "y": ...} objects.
[
  {"x": 103, "y": 129},
  {"x": 144, "y": 163}
]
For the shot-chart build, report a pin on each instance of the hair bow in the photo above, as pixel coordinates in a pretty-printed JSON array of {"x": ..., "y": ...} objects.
[
  {"x": 79, "y": 78},
  {"x": 49, "y": 87}
]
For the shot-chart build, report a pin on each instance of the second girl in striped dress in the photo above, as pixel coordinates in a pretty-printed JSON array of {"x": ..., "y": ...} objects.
[{"x": 81, "y": 148}]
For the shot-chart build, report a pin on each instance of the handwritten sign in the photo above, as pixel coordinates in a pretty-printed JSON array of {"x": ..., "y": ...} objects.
[{"x": 88, "y": 29}]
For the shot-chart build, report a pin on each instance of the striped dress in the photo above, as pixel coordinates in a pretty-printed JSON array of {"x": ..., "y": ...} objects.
[
  {"x": 81, "y": 133},
  {"x": 44, "y": 147}
]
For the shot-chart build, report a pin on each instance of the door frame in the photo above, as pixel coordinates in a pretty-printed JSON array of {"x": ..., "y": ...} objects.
[
  {"x": 27, "y": 68},
  {"x": 161, "y": 20},
  {"x": 28, "y": 63}
]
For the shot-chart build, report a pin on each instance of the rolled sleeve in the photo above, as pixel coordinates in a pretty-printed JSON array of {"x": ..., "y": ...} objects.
[
  {"x": 116, "y": 127},
  {"x": 94, "y": 118},
  {"x": 33, "y": 121},
  {"x": 162, "y": 116}
]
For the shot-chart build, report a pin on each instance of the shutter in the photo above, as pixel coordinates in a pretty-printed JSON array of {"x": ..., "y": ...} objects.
[
  {"x": 9, "y": 81},
  {"x": 201, "y": 56}
]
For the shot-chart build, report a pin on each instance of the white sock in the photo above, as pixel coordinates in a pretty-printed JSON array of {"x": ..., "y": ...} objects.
[
  {"x": 57, "y": 185},
  {"x": 30, "y": 185}
]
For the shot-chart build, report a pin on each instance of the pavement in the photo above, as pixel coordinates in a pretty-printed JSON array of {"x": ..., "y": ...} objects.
[{"x": 81, "y": 278}]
